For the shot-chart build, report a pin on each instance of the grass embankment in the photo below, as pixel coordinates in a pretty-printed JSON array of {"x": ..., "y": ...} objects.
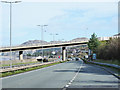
[{"x": 29, "y": 69}]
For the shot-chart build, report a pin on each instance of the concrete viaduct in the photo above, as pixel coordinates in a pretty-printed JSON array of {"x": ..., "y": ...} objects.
[{"x": 22, "y": 48}]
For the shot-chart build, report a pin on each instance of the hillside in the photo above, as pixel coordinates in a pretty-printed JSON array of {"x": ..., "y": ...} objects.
[{"x": 38, "y": 42}]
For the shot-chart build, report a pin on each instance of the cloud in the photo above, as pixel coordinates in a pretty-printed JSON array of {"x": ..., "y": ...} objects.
[
  {"x": 67, "y": 19},
  {"x": 99, "y": 18}
]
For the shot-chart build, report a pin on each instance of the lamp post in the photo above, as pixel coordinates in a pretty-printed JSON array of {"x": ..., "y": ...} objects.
[
  {"x": 86, "y": 31},
  {"x": 53, "y": 36},
  {"x": 53, "y": 41},
  {"x": 62, "y": 40},
  {"x": 42, "y": 30},
  {"x": 10, "y": 2}
]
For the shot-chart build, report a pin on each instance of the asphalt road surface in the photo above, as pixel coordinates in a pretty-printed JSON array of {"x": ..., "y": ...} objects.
[{"x": 72, "y": 74}]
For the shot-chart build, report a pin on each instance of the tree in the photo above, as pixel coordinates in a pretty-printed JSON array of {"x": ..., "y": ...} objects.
[
  {"x": 93, "y": 43},
  {"x": 109, "y": 50},
  {"x": 28, "y": 54}
]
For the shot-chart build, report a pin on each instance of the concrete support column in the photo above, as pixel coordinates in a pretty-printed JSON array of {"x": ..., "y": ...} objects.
[
  {"x": 63, "y": 53},
  {"x": 20, "y": 55}
]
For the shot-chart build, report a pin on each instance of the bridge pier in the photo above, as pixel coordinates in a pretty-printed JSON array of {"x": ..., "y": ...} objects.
[
  {"x": 63, "y": 53},
  {"x": 20, "y": 55}
]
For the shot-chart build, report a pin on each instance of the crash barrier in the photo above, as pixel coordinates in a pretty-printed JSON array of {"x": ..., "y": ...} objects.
[
  {"x": 106, "y": 64},
  {"x": 24, "y": 67}
]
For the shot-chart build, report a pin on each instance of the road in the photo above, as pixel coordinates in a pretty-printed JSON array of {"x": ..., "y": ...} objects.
[{"x": 73, "y": 74}]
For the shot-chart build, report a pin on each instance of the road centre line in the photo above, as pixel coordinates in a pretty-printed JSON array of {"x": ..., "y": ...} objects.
[{"x": 66, "y": 86}]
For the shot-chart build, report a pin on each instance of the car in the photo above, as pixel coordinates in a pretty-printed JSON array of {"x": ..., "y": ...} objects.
[
  {"x": 51, "y": 56},
  {"x": 73, "y": 58},
  {"x": 86, "y": 56},
  {"x": 39, "y": 58},
  {"x": 45, "y": 60},
  {"x": 77, "y": 58},
  {"x": 69, "y": 59}
]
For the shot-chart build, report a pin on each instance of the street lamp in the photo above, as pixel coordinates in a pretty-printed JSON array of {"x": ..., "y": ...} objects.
[
  {"x": 42, "y": 26},
  {"x": 53, "y": 37},
  {"x": 53, "y": 41},
  {"x": 86, "y": 32},
  {"x": 62, "y": 40},
  {"x": 10, "y": 2}
]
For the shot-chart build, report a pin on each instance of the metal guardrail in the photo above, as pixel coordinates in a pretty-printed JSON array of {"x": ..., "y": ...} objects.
[
  {"x": 108, "y": 70},
  {"x": 15, "y": 46},
  {"x": 111, "y": 65},
  {"x": 25, "y": 67},
  {"x": 5, "y": 67}
]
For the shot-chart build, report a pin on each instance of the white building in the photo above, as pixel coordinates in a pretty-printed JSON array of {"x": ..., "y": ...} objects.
[
  {"x": 103, "y": 38},
  {"x": 107, "y": 38},
  {"x": 116, "y": 35}
]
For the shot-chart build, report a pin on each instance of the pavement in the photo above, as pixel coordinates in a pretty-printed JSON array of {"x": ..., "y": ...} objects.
[{"x": 72, "y": 74}]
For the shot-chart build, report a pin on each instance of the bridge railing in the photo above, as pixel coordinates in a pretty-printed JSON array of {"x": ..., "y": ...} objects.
[{"x": 42, "y": 44}]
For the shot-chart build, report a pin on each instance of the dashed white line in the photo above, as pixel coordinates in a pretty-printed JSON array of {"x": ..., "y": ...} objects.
[{"x": 66, "y": 86}]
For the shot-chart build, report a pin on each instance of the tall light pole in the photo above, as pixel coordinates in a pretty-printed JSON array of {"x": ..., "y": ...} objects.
[
  {"x": 42, "y": 30},
  {"x": 10, "y": 2},
  {"x": 86, "y": 32},
  {"x": 53, "y": 36},
  {"x": 53, "y": 40}
]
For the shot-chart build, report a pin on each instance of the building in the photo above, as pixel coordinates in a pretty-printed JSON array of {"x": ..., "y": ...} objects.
[
  {"x": 116, "y": 35},
  {"x": 103, "y": 38}
]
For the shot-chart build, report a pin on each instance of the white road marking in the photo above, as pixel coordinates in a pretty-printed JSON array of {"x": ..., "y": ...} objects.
[
  {"x": 67, "y": 86},
  {"x": 73, "y": 77},
  {"x": 71, "y": 80}
]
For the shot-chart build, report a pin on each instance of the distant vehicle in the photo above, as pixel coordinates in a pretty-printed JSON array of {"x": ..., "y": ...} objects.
[
  {"x": 39, "y": 58},
  {"x": 72, "y": 58},
  {"x": 69, "y": 59},
  {"x": 45, "y": 60},
  {"x": 86, "y": 56},
  {"x": 53, "y": 52},
  {"x": 77, "y": 58},
  {"x": 51, "y": 56},
  {"x": 59, "y": 57}
]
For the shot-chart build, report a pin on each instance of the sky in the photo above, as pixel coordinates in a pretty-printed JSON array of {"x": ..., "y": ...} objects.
[{"x": 68, "y": 19}]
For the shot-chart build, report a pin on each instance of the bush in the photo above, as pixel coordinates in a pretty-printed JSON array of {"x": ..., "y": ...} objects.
[{"x": 109, "y": 50}]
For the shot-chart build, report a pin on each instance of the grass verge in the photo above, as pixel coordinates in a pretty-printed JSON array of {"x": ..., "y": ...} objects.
[{"x": 29, "y": 69}]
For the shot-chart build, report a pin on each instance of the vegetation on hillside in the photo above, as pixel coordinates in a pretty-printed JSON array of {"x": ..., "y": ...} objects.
[
  {"x": 109, "y": 50},
  {"x": 106, "y": 50}
]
